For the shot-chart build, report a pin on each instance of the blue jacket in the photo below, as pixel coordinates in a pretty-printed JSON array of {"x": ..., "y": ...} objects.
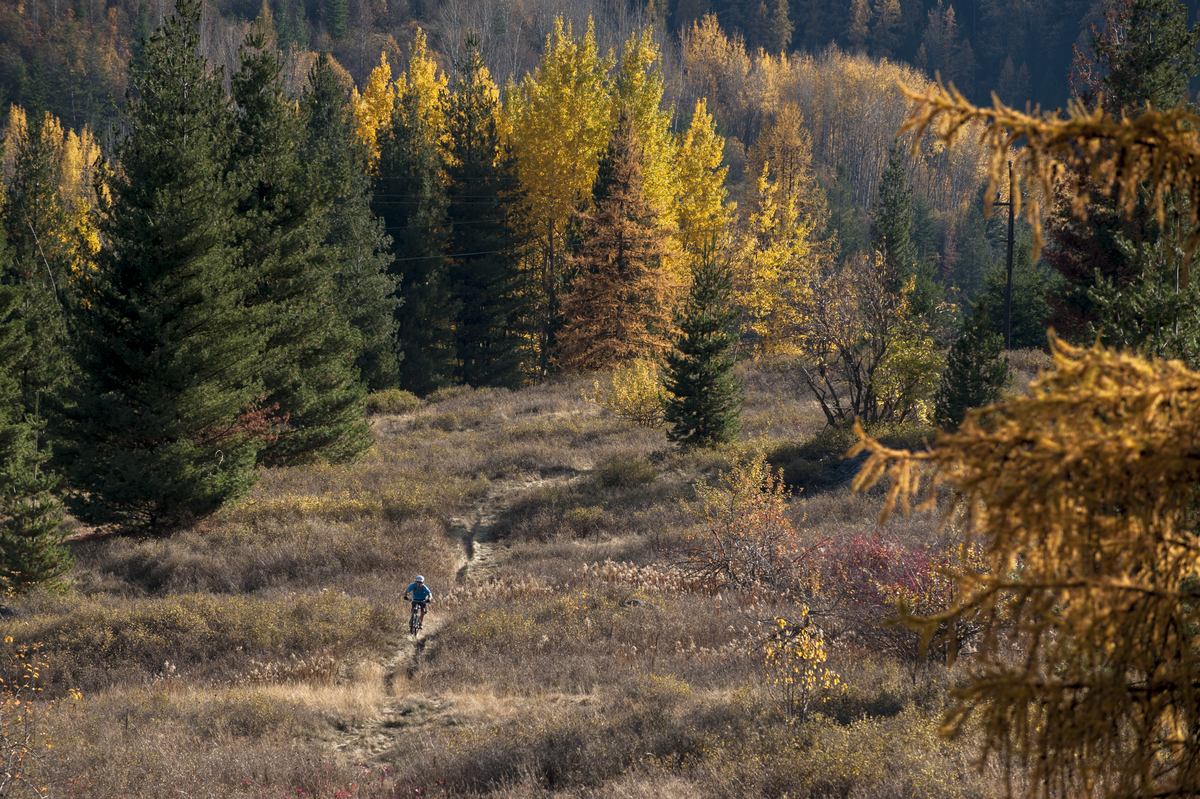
[{"x": 420, "y": 592}]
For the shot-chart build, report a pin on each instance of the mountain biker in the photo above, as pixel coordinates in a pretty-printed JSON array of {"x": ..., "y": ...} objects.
[{"x": 421, "y": 596}]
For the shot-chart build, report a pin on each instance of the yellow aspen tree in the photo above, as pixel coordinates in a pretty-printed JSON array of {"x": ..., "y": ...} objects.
[
  {"x": 707, "y": 56},
  {"x": 774, "y": 267},
  {"x": 640, "y": 92},
  {"x": 17, "y": 126},
  {"x": 76, "y": 241},
  {"x": 80, "y": 241},
  {"x": 78, "y": 159},
  {"x": 721, "y": 70},
  {"x": 373, "y": 108},
  {"x": 765, "y": 83},
  {"x": 425, "y": 85},
  {"x": 559, "y": 120},
  {"x": 701, "y": 212}
]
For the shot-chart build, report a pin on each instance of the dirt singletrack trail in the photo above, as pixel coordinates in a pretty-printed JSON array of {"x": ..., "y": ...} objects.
[{"x": 479, "y": 557}]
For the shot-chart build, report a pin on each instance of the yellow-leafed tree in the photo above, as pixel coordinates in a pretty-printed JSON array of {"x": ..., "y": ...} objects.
[
  {"x": 701, "y": 213},
  {"x": 786, "y": 145},
  {"x": 558, "y": 121},
  {"x": 424, "y": 87},
  {"x": 639, "y": 94},
  {"x": 373, "y": 107},
  {"x": 775, "y": 264}
]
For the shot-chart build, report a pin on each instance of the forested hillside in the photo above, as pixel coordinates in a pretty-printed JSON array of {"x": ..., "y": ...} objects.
[
  {"x": 72, "y": 55},
  {"x": 831, "y": 88}
]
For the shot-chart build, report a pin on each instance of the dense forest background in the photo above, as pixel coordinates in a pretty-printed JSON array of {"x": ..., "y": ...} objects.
[
  {"x": 74, "y": 55},
  {"x": 73, "y": 58}
]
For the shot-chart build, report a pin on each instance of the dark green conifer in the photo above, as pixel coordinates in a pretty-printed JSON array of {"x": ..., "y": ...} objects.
[
  {"x": 483, "y": 242},
  {"x": 705, "y": 409},
  {"x": 163, "y": 423},
  {"x": 337, "y": 18},
  {"x": 892, "y": 221},
  {"x": 893, "y": 226},
  {"x": 307, "y": 368},
  {"x": 35, "y": 223},
  {"x": 1146, "y": 55},
  {"x": 976, "y": 371},
  {"x": 141, "y": 31},
  {"x": 31, "y": 519},
  {"x": 410, "y": 199},
  {"x": 1031, "y": 284},
  {"x": 336, "y": 162},
  {"x": 1151, "y": 59}
]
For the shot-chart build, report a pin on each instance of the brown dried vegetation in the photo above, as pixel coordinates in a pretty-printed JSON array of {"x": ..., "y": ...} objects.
[{"x": 568, "y": 652}]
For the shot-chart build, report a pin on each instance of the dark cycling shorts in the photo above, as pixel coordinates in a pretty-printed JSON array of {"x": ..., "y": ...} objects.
[{"x": 423, "y": 604}]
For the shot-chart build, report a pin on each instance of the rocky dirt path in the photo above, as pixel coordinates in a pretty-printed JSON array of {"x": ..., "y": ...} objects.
[{"x": 480, "y": 557}]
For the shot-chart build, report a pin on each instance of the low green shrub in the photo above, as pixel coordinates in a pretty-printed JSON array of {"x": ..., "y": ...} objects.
[
  {"x": 910, "y": 435},
  {"x": 622, "y": 472},
  {"x": 392, "y": 400},
  {"x": 448, "y": 393}
]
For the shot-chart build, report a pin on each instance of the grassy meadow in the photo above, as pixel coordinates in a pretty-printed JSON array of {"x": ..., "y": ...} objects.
[{"x": 264, "y": 652}]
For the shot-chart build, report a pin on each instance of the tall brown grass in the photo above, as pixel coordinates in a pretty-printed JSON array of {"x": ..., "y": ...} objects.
[{"x": 264, "y": 653}]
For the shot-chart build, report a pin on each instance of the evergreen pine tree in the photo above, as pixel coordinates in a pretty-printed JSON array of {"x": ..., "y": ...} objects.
[
  {"x": 293, "y": 26},
  {"x": 410, "y": 199},
  {"x": 1031, "y": 284},
  {"x": 1151, "y": 60},
  {"x": 31, "y": 519},
  {"x": 141, "y": 32},
  {"x": 618, "y": 306},
  {"x": 483, "y": 244},
  {"x": 892, "y": 222},
  {"x": 1146, "y": 55},
  {"x": 307, "y": 367},
  {"x": 893, "y": 226},
  {"x": 976, "y": 371},
  {"x": 163, "y": 424},
  {"x": 364, "y": 291},
  {"x": 337, "y": 18},
  {"x": 706, "y": 402},
  {"x": 35, "y": 224}
]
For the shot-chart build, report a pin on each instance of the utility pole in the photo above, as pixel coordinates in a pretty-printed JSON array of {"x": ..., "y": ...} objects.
[{"x": 1012, "y": 213}]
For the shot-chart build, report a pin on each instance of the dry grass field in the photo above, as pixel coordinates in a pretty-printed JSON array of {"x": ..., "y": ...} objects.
[{"x": 264, "y": 653}]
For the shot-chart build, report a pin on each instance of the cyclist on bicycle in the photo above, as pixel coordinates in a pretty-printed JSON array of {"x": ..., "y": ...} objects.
[{"x": 421, "y": 596}]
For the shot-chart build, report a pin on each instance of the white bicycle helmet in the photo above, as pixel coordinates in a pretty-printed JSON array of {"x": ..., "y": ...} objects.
[{"x": 420, "y": 579}]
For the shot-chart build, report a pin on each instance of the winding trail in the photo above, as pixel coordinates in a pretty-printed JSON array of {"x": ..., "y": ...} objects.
[{"x": 479, "y": 557}]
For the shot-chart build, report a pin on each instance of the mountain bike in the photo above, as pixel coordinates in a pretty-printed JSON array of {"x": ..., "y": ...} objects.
[{"x": 414, "y": 621}]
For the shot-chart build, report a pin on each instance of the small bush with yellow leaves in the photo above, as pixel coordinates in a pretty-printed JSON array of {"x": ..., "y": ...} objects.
[{"x": 635, "y": 393}]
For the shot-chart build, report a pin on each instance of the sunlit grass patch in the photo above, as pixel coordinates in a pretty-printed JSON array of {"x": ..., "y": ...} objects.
[
  {"x": 267, "y": 553},
  {"x": 572, "y": 639},
  {"x": 375, "y": 488},
  {"x": 201, "y": 637}
]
